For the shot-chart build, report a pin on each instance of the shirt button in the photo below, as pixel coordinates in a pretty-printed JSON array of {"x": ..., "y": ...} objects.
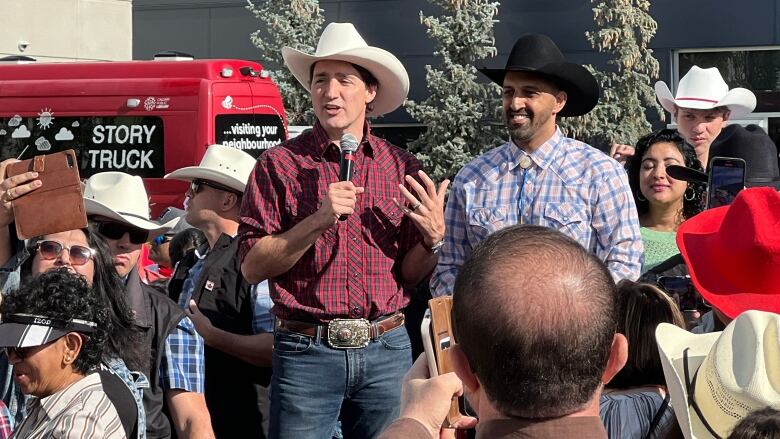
[
  {"x": 354, "y": 274},
  {"x": 354, "y": 238},
  {"x": 356, "y": 310}
]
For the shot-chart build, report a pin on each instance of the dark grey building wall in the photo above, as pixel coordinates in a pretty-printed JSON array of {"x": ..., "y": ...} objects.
[{"x": 221, "y": 28}]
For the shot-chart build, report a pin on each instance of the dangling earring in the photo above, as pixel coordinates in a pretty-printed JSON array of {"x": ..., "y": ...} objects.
[
  {"x": 690, "y": 194},
  {"x": 639, "y": 196}
]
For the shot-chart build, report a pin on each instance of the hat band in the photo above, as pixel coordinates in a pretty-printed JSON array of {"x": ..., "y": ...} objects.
[
  {"x": 690, "y": 385},
  {"x": 133, "y": 215},
  {"x": 697, "y": 99},
  {"x": 76, "y": 325}
]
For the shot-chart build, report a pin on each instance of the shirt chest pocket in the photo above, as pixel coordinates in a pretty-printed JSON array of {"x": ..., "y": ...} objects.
[
  {"x": 567, "y": 218},
  {"x": 384, "y": 223},
  {"x": 483, "y": 221}
]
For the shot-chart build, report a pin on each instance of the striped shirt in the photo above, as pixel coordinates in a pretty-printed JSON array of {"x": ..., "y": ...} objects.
[
  {"x": 350, "y": 271},
  {"x": 81, "y": 410},
  {"x": 567, "y": 185}
]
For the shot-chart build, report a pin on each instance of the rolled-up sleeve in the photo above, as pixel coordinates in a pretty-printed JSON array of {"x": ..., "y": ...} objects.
[
  {"x": 261, "y": 204},
  {"x": 616, "y": 223},
  {"x": 456, "y": 244}
]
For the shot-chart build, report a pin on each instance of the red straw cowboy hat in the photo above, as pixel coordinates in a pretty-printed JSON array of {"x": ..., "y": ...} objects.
[{"x": 733, "y": 252}]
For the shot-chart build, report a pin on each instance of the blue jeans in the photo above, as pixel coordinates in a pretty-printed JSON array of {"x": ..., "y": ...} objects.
[{"x": 312, "y": 383}]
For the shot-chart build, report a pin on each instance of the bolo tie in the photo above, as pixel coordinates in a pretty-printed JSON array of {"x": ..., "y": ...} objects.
[{"x": 525, "y": 163}]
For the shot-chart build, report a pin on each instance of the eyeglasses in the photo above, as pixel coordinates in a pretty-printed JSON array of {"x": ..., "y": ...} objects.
[
  {"x": 162, "y": 239},
  {"x": 78, "y": 254},
  {"x": 24, "y": 353},
  {"x": 196, "y": 184},
  {"x": 115, "y": 231}
]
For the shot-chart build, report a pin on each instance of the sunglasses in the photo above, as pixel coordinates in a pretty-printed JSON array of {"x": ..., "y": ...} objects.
[
  {"x": 116, "y": 231},
  {"x": 162, "y": 239},
  {"x": 78, "y": 254},
  {"x": 197, "y": 184}
]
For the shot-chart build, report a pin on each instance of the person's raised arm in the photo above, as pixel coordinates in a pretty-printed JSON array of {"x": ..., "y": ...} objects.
[{"x": 275, "y": 254}]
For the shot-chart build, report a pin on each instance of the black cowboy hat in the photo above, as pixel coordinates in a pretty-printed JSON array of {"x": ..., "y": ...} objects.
[
  {"x": 539, "y": 54},
  {"x": 749, "y": 143}
]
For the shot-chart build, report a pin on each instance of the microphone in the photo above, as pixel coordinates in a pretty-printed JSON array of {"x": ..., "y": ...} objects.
[{"x": 349, "y": 144}]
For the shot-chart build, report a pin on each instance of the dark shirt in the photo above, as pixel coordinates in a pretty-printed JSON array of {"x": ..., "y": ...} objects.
[
  {"x": 350, "y": 270},
  {"x": 584, "y": 427}
]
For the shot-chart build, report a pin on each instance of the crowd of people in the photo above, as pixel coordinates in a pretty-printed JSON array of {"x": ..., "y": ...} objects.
[{"x": 594, "y": 295}]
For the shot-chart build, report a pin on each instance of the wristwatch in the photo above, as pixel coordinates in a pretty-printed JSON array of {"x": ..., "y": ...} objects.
[{"x": 435, "y": 248}]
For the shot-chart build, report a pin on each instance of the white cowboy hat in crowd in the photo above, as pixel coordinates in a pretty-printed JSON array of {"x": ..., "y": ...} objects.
[
  {"x": 221, "y": 164},
  {"x": 342, "y": 42},
  {"x": 730, "y": 373},
  {"x": 122, "y": 198},
  {"x": 704, "y": 89}
]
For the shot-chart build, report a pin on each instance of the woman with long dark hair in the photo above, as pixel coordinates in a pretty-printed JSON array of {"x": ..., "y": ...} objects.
[{"x": 662, "y": 202}]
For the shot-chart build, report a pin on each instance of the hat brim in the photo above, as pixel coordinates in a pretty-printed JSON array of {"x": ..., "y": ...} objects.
[
  {"x": 672, "y": 342},
  {"x": 387, "y": 69},
  {"x": 97, "y": 208},
  {"x": 697, "y": 239},
  {"x": 580, "y": 86},
  {"x": 21, "y": 335},
  {"x": 196, "y": 172},
  {"x": 684, "y": 173},
  {"x": 740, "y": 101}
]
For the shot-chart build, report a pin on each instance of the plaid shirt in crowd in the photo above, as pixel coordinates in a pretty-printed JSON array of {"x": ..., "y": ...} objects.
[
  {"x": 183, "y": 361},
  {"x": 569, "y": 186},
  {"x": 349, "y": 271},
  {"x": 6, "y": 421}
]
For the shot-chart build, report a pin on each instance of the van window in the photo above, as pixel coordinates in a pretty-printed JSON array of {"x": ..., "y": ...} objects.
[
  {"x": 130, "y": 144},
  {"x": 251, "y": 133}
]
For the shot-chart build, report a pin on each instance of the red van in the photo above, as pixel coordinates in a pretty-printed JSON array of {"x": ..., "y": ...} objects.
[{"x": 145, "y": 118}]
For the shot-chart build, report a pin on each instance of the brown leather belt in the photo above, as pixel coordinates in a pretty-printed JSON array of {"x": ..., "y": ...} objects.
[{"x": 344, "y": 333}]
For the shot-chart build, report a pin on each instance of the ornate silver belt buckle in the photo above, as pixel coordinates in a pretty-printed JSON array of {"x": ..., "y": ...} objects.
[{"x": 349, "y": 333}]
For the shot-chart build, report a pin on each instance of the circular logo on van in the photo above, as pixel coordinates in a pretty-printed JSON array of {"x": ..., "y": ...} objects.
[{"x": 149, "y": 103}]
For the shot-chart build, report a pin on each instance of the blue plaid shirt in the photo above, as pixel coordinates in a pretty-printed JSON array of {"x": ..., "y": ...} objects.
[
  {"x": 569, "y": 186},
  {"x": 262, "y": 319},
  {"x": 183, "y": 361}
]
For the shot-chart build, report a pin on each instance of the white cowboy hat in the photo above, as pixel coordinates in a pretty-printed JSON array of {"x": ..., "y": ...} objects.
[
  {"x": 342, "y": 42},
  {"x": 122, "y": 198},
  {"x": 704, "y": 89},
  {"x": 731, "y": 373},
  {"x": 221, "y": 164}
]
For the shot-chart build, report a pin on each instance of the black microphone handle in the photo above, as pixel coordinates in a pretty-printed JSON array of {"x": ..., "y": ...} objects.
[{"x": 345, "y": 174}]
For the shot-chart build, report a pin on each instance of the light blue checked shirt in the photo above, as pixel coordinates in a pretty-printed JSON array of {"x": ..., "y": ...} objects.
[
  {"x": 182, "y": 365},
  {"x": 570, "y": 186},
  {"x": 262, "y": 319}
]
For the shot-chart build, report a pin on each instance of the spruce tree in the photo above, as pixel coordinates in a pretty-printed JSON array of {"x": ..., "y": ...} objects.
[
  {"x": 293, "y": 23},
  {"x": 624, "y": 30},
  {"x": 461, "y": 113}
]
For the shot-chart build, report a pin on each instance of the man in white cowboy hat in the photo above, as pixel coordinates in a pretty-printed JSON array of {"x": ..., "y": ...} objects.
[
  {"x": 339, "y": 253},
  {"x": 717, "y": 379},
  {"x": 701, "y": 107},
  {"x": 117, "y": 206},
  {"x": 210, "y": 287},
  {"x": 539, "y": 176}
]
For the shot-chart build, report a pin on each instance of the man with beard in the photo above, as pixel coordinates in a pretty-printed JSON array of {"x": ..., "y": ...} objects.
[{"x": 539, "y": 176}]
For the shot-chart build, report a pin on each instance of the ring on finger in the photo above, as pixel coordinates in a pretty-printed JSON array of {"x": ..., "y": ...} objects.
[
  {"x": 7, "y": 196},
  {"x": 415, "y": 206}
]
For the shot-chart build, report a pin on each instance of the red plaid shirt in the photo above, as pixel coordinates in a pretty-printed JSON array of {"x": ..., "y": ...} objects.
[{"x": 352, "y": 269}]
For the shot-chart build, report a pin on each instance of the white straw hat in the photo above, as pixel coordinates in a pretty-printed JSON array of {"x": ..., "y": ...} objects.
[
  {"x": 342, "y": 42},
  {"x": 221, "y": 164},
  {"x": 122, "y": 198},
  {"x": 704, "y": 89},
  {"x": 731, "y": 373}
]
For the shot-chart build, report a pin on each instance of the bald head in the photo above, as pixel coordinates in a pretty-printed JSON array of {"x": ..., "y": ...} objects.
[{"x": 534, "y": 313}]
